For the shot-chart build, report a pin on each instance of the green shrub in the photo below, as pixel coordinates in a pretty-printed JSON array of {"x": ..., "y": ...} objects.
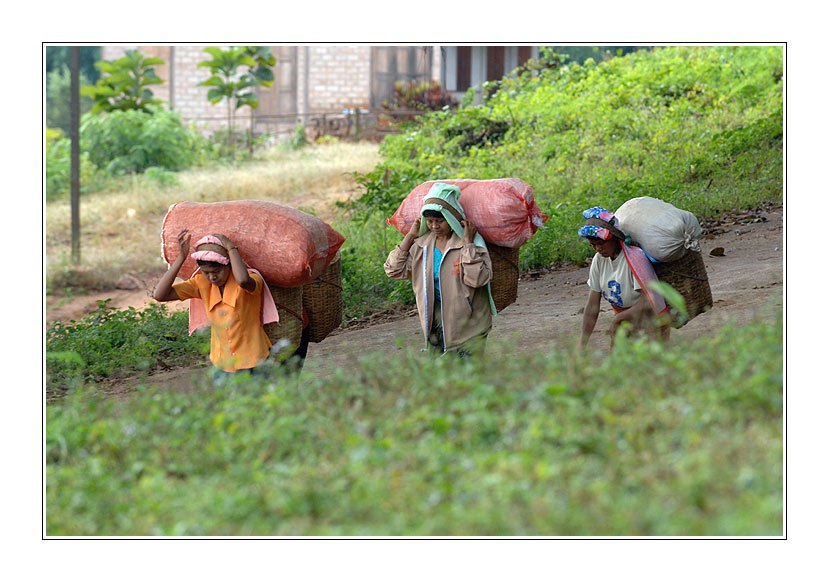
[
  {"x": 57, "y": 153},
  {"x": 366, "y": 288},
  {"x": 160, "y": 177},
  {"x": 522, "y": 444},
  {"x": 124, "y": 142},
  {"x": 124, "y": 83},
  {"x": 116, "y": 343},
  {"x": 299, "y": 138}
]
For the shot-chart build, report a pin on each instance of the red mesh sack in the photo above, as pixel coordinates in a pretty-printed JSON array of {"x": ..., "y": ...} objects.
[
  {"x": 289, "y": 247},
  {"x": 502, "y": 209}
]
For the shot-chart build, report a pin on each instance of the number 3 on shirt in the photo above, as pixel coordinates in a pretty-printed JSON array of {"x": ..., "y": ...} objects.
[{"x": 614, "y": 295}]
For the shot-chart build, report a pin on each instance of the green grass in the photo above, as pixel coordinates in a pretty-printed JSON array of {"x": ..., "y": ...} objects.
[{"x": 684, "y": 441}]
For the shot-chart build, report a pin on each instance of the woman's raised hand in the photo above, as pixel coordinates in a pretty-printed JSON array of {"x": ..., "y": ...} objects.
[
  {"x": 470, "y": 231},
  {"x": 184, "y": 243},
  {"x": 226, "y": 242},
  {"x": 415, "y": 228}
]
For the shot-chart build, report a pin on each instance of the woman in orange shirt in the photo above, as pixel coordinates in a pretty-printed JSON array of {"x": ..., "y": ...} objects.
[{"x": 232, "y": 297}]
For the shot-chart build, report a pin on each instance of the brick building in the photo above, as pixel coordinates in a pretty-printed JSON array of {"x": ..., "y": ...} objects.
[{"x": 314, "y": 84}]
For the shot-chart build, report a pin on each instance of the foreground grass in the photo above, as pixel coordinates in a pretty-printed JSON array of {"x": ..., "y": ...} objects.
[
  {"x": 120, "y": 231},
  {"x": 686, "y": 441}
]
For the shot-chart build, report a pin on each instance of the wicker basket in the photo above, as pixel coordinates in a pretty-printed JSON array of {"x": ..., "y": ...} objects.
[
  {"x": 289, "y": 302},
  {"x": 688, "y": 276},
  {"x": 505, "y": 283},
  {"x": 323, "y": 301}
]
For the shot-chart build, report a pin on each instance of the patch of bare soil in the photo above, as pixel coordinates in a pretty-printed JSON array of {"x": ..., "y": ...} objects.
[
  {"x": 65, "y": 307},
  {"x": 747, "y": 281}
]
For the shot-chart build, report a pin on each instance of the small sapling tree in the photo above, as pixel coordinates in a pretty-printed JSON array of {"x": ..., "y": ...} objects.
[
  {"x": 235, "y": 75},
  {"x": 123, "y": 84}
]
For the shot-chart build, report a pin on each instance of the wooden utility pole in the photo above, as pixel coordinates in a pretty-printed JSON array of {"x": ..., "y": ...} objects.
[{"x": 75, "y": 152}]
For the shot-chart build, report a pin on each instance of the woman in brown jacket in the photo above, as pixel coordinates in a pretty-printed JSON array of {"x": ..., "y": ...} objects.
[{"x": 450, "y": 269}]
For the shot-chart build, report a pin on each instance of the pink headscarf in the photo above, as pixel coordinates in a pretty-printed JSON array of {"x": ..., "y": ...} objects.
[{"x": 208, "y": 254}]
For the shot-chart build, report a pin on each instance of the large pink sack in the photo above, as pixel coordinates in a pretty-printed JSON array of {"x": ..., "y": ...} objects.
[
  {"x": 502, "y": 209},
  {"x": 289, "y": 247}
]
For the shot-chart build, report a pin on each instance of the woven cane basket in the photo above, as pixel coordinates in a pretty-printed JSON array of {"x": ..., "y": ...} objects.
[
  {"x": 505, "y": 283},
  {"x": 323, "y": 300},
  {"x": 289, "y": 302},
  {"x": 688, "y": 276}
]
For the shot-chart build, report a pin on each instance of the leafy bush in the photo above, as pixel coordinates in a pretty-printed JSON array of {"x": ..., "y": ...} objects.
[
  {"x": 520, "y": 445},
  {"x": 366, "y": 288},
  {"x": 57, "y": 153},
  {"x": 114, "y": 343},
  {"x": 299, "y": 138},
  {"x": 123, "y": 142}
]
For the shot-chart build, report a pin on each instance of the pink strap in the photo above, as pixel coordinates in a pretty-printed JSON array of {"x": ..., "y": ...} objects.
[
  {"x": 197, "y": 317},
  {"x": 644, "y": 273}
]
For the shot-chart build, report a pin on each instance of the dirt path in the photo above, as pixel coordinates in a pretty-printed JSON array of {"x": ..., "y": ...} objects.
[{"x": 747, "y": 280}]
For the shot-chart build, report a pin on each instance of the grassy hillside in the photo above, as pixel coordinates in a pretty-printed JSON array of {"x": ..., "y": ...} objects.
[{"x": 699, "y": 127}]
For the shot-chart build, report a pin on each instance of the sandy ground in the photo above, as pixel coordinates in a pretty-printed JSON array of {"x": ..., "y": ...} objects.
[{"x": 746, "y": 281}]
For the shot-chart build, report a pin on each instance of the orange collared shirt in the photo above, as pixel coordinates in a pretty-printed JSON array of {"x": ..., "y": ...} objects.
[{"x": 237, "y": 338}]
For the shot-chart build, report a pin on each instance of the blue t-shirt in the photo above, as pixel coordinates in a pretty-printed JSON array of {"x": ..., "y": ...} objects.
[{"x": 436, "y": 266}]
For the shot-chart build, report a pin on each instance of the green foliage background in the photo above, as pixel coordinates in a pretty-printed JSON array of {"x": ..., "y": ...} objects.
[{"x": 699, "y": 127}]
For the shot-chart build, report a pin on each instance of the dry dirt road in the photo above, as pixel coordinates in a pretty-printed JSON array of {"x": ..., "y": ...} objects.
[{"x": 746, "y": 281}]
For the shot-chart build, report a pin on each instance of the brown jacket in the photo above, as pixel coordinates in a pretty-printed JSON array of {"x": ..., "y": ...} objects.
[{"x": 464, "y": 273}]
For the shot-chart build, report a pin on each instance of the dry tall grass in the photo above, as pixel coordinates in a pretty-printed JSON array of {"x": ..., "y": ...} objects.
[{"x": 120, "y": 230}]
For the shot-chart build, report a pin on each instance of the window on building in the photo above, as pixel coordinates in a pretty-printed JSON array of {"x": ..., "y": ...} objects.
[
  {"x": 495, "y": 63},
  {"x": 464, "y": 61}
]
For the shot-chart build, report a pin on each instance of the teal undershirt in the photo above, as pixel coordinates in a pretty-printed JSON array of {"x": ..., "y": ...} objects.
[{"x": 436, "y": 266}]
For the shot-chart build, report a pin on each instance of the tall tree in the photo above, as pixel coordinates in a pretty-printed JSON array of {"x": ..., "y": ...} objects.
[{"x": 57, "y": 57}]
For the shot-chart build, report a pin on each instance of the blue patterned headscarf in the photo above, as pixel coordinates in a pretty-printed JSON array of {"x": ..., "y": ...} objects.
[{"x": 602, "y": 224}]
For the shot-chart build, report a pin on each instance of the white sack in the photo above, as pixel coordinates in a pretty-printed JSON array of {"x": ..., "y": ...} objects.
[{"x": 662, "y": 229}]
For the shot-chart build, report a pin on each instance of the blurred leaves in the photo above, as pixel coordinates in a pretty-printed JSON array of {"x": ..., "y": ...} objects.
[{"x": 653, "y": 440}]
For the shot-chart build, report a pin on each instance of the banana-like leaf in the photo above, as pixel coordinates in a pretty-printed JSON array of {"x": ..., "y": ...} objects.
[
  {"x": 214, "y": 80},
  {"x": 213, "y": 51},
  {"x": 215, "y": 95},
  {"x": 263, "y": 74}
]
